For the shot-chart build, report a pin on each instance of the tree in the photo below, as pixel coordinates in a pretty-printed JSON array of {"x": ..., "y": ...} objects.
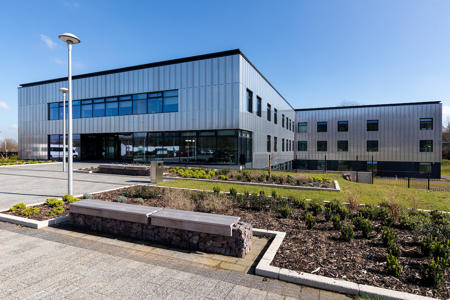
[
  {"x": 11, "y": 145},
  {"x": 446, "y": 141}
]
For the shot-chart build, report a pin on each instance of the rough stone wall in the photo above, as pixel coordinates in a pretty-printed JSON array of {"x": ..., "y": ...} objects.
[{"x": 239, "y": 244}]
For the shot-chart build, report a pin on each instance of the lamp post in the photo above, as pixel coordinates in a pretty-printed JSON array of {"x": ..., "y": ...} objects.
[
  {"x": 70, "y": 39},
  {"x": 64, "y": 91}
]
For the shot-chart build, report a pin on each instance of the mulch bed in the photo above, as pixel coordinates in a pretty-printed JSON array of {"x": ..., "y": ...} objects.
[
  {"x": 321, "y": 251},
  {"x": 42, "y": 215}
]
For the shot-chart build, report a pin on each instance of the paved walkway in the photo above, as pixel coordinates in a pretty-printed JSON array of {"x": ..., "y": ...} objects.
[
  {"x": 58, "y": 263},
  {"x": 34, "y": 183}
]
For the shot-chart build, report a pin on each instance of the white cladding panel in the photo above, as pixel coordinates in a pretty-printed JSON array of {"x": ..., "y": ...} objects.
[
  {"x": 208, "y": 89},
  {"x": 398, "y": 135},
  {"x": 251, "y": 79}
]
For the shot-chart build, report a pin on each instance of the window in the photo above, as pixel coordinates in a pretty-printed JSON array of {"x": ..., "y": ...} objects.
[
  {"x": 372, "y": 146},
  {"x": 76, "y": 109},
  {"x": 53, "y": 113},
  {"x": 302, "y": 127},
  {"x": 249, "y": 101},
  {"x": 275, "y": 144},
  {"x": 288, "y": 124},
  {"x": 139, "y": 104},
  {"x": 275, "y": 116},
  {"x": 426, "y": 146},
  {"x": 322, "y": 126},
  {"x": 170, "y": 103},
  {"x": 282, "y": 145},
  {"x": 282, "y": 120},
  {"x": 125, "y": 105},
  {"x": 269, "y": 112},
  {"x": 426, "y": 124},
  {"x": 302, "y": 146},
  {"x": 372, "y": 166},
  {"x": 372, "y": 125},
  {"x": 155, "y": 103},
  {"x": 425, "y": 168},
  {"x": 342, "y": 125},
  {"x": 86, "y": 108},
  {"x": 269, "y": 148},
  {"x": 290, "y": 145},
  {"x": 342, "y": 146},
  {"x": 99, "y": 108},
  {"x": 287, "y": 145},
  {"x": 258, "y": 106},
  {"x": 112, "y": 107},
  {"x": 321, "y": 145}
]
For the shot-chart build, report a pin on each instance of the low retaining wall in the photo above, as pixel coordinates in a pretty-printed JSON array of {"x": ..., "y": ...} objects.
[
  {"x": 125, "y": 170},
  {"x": 238, "y": 245}
]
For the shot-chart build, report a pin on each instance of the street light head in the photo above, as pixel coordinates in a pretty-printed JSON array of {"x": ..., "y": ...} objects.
[
  {"x": 63, "y": 90},
  {"x": 69, "y": 38}
]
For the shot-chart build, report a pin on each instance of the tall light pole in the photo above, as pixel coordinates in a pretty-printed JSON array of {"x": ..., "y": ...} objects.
[
  {"x": 64, "y": 91},
  {"x": 70, "y": 39}
]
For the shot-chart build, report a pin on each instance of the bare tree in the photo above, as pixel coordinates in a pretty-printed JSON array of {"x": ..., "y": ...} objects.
[
  {"x": 446, "y": 141},
  {"x": 8, "y": 145}
]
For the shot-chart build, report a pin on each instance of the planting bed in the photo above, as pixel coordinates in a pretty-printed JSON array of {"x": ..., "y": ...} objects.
[
  {"x": 320, "y": 250},
  {"x": 252, "y": 176}
]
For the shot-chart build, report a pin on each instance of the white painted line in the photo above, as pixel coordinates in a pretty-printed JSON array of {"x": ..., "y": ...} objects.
[
  {"x": 32, "y": 223},
  {"x": 23, "y": 165}
]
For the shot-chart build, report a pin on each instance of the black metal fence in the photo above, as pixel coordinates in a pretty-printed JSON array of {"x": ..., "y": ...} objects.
[{"x": 429, "y": 184}]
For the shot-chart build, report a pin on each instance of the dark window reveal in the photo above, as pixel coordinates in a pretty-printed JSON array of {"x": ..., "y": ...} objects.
[
  {"x": 321, "y": 145},
  {"x": 322, "y": 126},
  {"x": 372, "y": 125},
  {"x": 426, "y": 124},
  {"x": 426, "y": 146},
  {"x": 342, "y": 125}
]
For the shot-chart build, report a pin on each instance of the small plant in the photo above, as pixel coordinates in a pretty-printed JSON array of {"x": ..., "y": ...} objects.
[
  {"x": 310, "y": 220},
  {"x": 366, "y": 228},
  {"x": 139, "y": 200},
  {"x": 353, "y": 201},
  {"x": 280, "y": 180},
  {"x": 301, "y": 203},
  {"x": 30, "y": 211},
  {"x": 70, "y": 199},
  {"x": 337, "y": 225},
  {"x": 393, "y": 248},
  {"x": 393, "y": 266},
  {"x": 289, "y": 179},
  {"x": 216, "y": 190},
  {"x": 261, "y": 178},
  {"x": 328, "y": 213},
  {"x": 427, "y": 244},
  {"x": 347, "y": 232},
  {"x": 274, "y": 194},
  {"x": 121, "y": 199},
  {"x": 387, "y": 234},
  {"x": 298, "y": 182},
  {"x": 53, "y": 202},
  {"x": 56, "y": 211},
  {"x": 233, "y": 192},
  {"x": 284, "y": 211},
  {"x": 239, "y": 177},
  {"x": 87, "y": 196},
  {"x": 223, "y": 177},
  {"x": 316, "y": 206},
  {"x": 368, "y": 212},
  {"x": 339, "y": 208},
  {"x": 18, "y": 206},
  {"x": 224, "y": 171},
  {"x": 433, "y": 273}
]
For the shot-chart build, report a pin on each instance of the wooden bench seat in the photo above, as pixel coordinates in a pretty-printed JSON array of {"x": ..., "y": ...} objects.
[
  {"x": 194, "y": 221},
  {"x": 125, "y": 169},
  {"x": 114, "y": 210}
]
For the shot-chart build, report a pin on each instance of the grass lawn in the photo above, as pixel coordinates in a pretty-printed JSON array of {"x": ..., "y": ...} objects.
[
  {"x": 445, "y": 167},
  {"x": 365, "y": 193}
]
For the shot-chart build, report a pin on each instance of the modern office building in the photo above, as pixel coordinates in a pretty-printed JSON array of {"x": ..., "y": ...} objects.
[{"x": 218, "y": 109}]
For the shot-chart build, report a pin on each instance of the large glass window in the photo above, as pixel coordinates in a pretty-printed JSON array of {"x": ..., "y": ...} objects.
[
  {"x": 269, "y": 112},
  {"x": 426, "y": 146},
  {"x": 86, "y": 108},
  {"x": 170, "y": 103},
  {"x": 206, "y": 146},
  {"x": 321, "y": 145},
  {"x": 302, "y": 146},
  {"x": 426, "y": 123},
  {"x": 322, "y": 126},
  {"x": 245, "y": 147},
  {"x": 342, "y": 125},
  {"x": 282, "y": 145},
  {"x": 155, "y": 103},
  {"x": 425, "y": 167},
  {"x": 99, "y": 108},
  {"x": 53, "y": 111},
  {"x": 139, "y": 146},
  {"x": 139, "y": 104},
  {"x": 258, "y": 106},
  {"x": 275, "y": 116},
  {"x": 302, "y": 127},
  {"x": 227, "y": 147},
  {"x": 76, "y": 109},
  {"x": 282, "y": 120},
  {"x": 269, "y": 147},
  {"x": 372, "y": 125},
  {"x": 249, "y": 101},
  {"x": 125, "y": 105},
  {"x": 342, "y": 146},
  {"x": 112, "y": 107},
  {"x": 372, "y": 146}
]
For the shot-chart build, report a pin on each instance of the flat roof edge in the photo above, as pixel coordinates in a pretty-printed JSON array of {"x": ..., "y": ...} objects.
[{"x": 369, "y": 105}]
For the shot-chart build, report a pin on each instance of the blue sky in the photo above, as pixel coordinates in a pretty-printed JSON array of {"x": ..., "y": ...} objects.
[{"x": 316, "y": 53}]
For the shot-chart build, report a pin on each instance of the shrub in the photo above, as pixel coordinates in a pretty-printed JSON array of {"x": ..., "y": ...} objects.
[
  {"x": 55, "y": 211},
  {"x": 18, "y": 206},
  {"x": 347, "y": 232},
  {"x": 339, "y": 208},
  {"x": 216, "y": 190},
  {"x": 385, "y": 216},
  {"x": 316, "y": 206},
  {"x": 393, "y": 266},
  {"x": 142, "y": 191},
  {"x": 280, "y": 180},
  {"x": 394, "y": 248},
  {"x": 427, "y": 244},
  {"x": 223, "y": 171},
  {"x": 387, "y": 234},
  {"x": 223, "y": 177},
  {"x": 121, "y": 199},
  {"x": 87, "y": 196},
  {"x": 261, "y": 178},
  {"x": 284, "y": 211},
  {"x": 310, "y": 220},
  {"x": 30, "y": 211},
  {"x": 433, "y": 273},
  {"x": 239, "y": 177},
  {"x": 247, "y": 176},
  {"x": 289, "y": 179},
  {"x": 70, "y": 199},
  {"x": 366, "y": 228},
  {"x": 353, "y": 201},
  {"x": 274, "y": 194},
  {"x": 233, "y": 192},
  {"x": 337, "y": 225},
  {"x": 368, "y": 212},
  {"x": 328, "y": 213},
  {"x": 139, "y": 200},
  {"x": 441, "y": 249},
  {"x": 53, "y": 202},
  {"x": 301, "y": 203}
]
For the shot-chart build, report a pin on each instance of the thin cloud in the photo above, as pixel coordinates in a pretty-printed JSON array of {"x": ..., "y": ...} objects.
[
  {"x": 14, "y": 126},
  {"x": 72, "y": 4},
  {"x": 4, "y": 105},
  {"x": 48, "y": 41},
  {"x": 58, "y": 61}
]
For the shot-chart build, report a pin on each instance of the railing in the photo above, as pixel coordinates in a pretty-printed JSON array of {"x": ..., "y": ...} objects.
[{"x": 415, "y": 183}]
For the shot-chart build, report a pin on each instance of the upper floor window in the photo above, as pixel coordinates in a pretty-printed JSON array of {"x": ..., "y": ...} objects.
[
  {"x": 426, "y": 146},
  {"x": 302, "y": 127},
  {"x": 342, "y": 125},
  {"x": 53, "y": 111},
  {"x": 425, "y": 167},
  {"x": 426, "y": 124},
  {"x": 282, "y": 145},
  {"x": 322, "y": 145},
  {"x": 302, "y": 146},
  {"x": 269, "y": 147},
  {"x": 342, "y": 146},
  {"x": 372, "y": 125},
  {"x": 258, "y": 106},
  {"x": 275, "y": 116},
  {"x": 322, "y": 126},
  {"x": 249, "y": 101},
  {"x": 275, "y": 144},
  {"x": 269, "y": 112},
  {"x": 289, "y": 124},
  {"x": 282, "y": 120},
  {"x": 98, "y": 108},
  {"x": 372, "y": 146}
]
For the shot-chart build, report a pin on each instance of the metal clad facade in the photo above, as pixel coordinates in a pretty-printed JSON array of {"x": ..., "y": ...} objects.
[{"x": 398, "y": 134}]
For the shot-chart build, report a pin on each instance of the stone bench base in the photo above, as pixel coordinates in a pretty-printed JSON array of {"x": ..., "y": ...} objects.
[
  {"x": 238, "y": 245},
  {"x": 125, "y": 170}
]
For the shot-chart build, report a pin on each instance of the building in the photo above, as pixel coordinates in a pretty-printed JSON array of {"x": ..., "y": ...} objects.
[
  {"x": 402, "y": 139},
  {"x": 218, "y": 109}
]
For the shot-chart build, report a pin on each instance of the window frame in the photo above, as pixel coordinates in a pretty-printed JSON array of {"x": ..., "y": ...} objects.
[
  {"x": 258, "y": 106},
  {"x": 249, "y": 101},
  {"x": 320, "y": 124},
  {"x": 426, "y": 146},
  {"x": 344, "y": 124},
  {"x": 299, "y": 148},
  {"x": 368, "y": 149},
  {"x": 320, "y": 148},
  {"x": 342, "y": 149},
  {"x": 425, "y": 121},
  {"x": 370, "y": 123}
]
